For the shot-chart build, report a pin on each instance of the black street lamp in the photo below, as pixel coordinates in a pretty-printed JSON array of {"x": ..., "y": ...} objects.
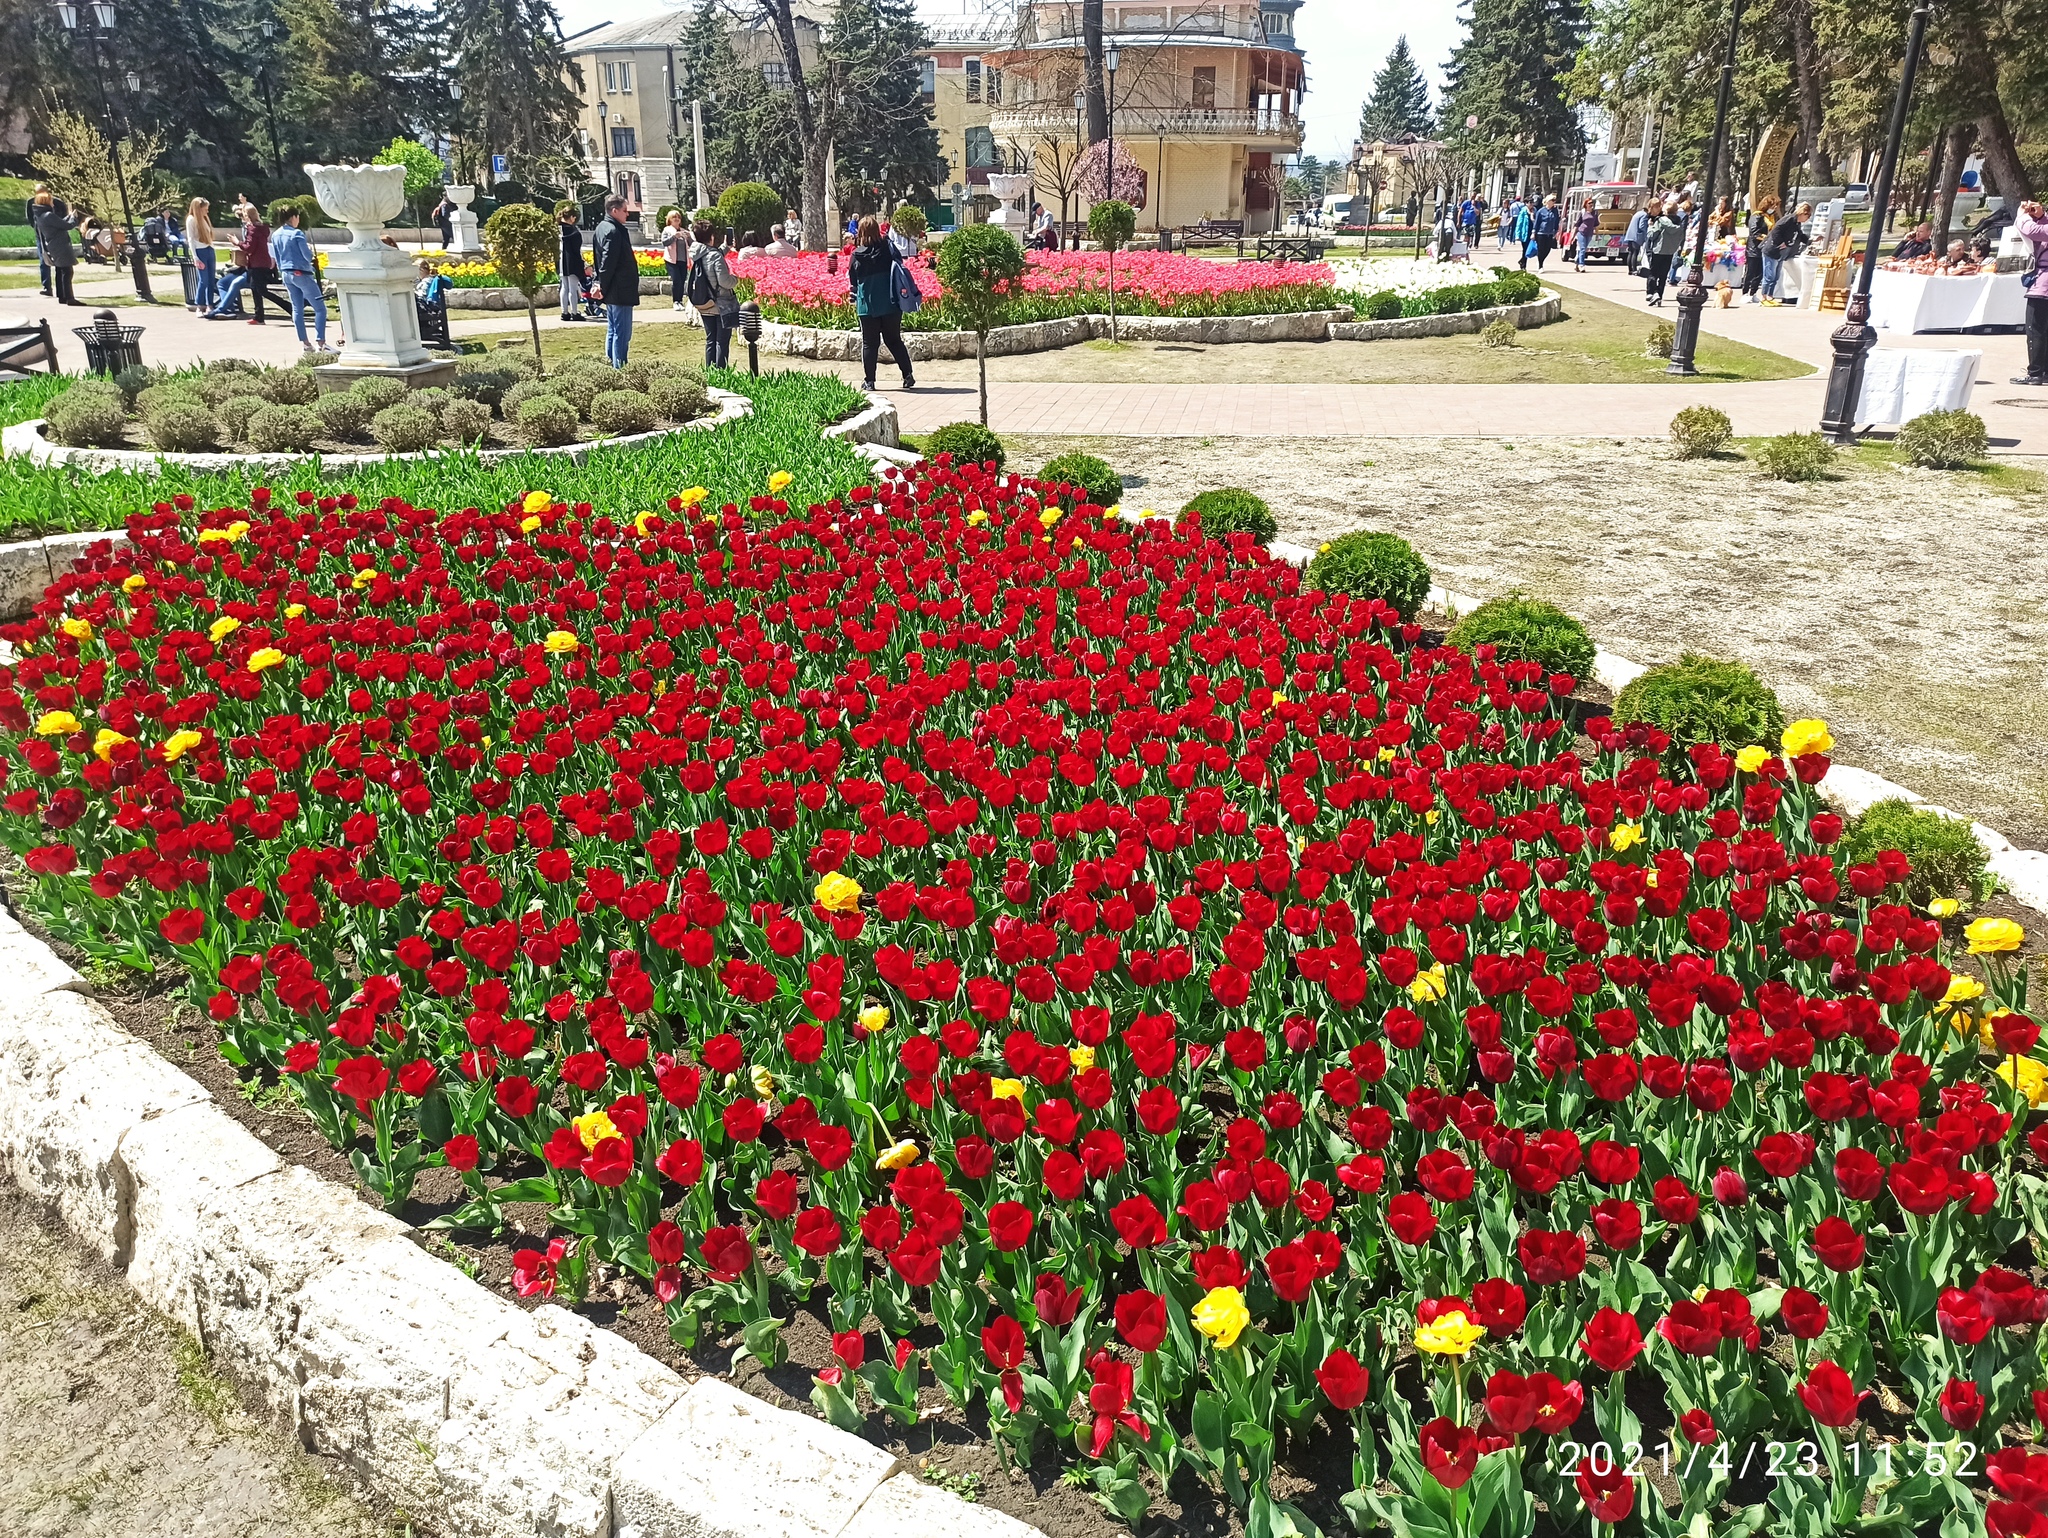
[
  {"x": 94, "y": 23},
  {"x": 1855, "y": 337},
  {"x": 1692, "y": 293}
]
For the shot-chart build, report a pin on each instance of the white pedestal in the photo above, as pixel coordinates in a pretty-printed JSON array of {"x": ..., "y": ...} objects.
[
  {"x": 375, "y": 286},
  {"x": 463, "y": 239}
]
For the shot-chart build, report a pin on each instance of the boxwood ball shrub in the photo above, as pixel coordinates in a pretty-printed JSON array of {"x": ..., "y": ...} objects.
[
  {"x": 1795, "y": 457},
  {"x": 344, "y": 416},
  {"x": 464, "y": 420},
  {"x": 750, "y": 209},
  {"x": 291, "y": 386},
  {"x": 1947, "y": 859},
  {"x": 1944, "y": 440},
  {"x": 181, "y": 427},
  {"x": 282, "y": 429},
  {"x": 377, "y": 393},
  {"x": 1703, "y": 699},
  {"x": 1518, "y": 288},
  {"x": 1104, "y": 487},
  {"x": 88, "y": 415},
  {"x": 234, "y": 414},
  {"x": 1228, "y": 510},
  {"x": 405, "y": 429},
  {"x": 1166, "y": 1048},
  {"x": 1698, "y": 432},
  {"x": 522, "y": 392},
  {"x": 1371, "y": 563},
  {"x": 678, "y": 396},
  {"x": 620, "y": 412},
  {"x": 546, "y": 421},
  {"x": 1381, "y": 307},
  {"x": 485, "y": 382},
  {"x": 1499, "y": 333},
  {"x": 1520, "y": 628},
  {"x": 967, "y": 442}
]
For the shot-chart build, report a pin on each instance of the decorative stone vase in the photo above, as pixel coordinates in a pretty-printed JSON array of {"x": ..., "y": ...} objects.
[
  {"x": 462, "y": 224},
  {"x": 373, "y": 281},
  {"x": 361, "y": 197},
  {"x": 1007, "y": 188}
]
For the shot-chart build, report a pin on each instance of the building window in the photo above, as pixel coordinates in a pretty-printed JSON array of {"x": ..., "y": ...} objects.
[
  {"x": 928, "y": 76},
  {"x": 981, "y": 148},
  {"x": 625, "y": 79},
  {"x": 995, "y": 88},
  {"x": 974, "y": 80},
  {"x": 611, "y": 80},
  {"x": 776, "y": 73},
  {"x": 627, "y": 185},
  {"x": 1205, "y": 88},
  {"x": 624, "y": 142}
]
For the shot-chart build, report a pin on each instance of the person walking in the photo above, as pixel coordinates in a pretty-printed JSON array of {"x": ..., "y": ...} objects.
[
  {"x": 727, "y": 288},
  {"x": 1544, "y": 229},
  {"x": 675, "y": 252},
  {"x": 872, "y": 277},
  {"x": 700, "y": 283},
  {"x": 1633, "y": 237},
  {"x": 53, "y": 231},
  {"x": 569, "y": 269},
  {"x": 1786, "y": 240},
  {"x": 1510, "y": 214},
  {"x": 300, "y": 271},
  {"x": 616, "y": 280},
  {"x": 444, "y": 221},
  {"x": 2032, "y": 225},
  {"x": 1756, "y": 229},
  {"x": 1584, "y": 228},
  {"x": 1522, "y": 230},
  {"x": 1666, "y": 235},
  {"x": 38, "y": 201}
]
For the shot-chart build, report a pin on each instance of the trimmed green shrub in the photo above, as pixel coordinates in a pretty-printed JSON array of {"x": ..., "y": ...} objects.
[
  {"x": 678, "y": 396},
  {"x": 522, "y": 392},
  {"x": 277, "y": 429},
  {"x": 464, "y": 420},
  {"x": 232, "y": 416},
  {"x": 749, "y": 208},
  {"x": 1947, "y": 859},
  {"x": 1698, "y": 432},
  {"x": 1370, "y": 563},
  {"x": 1228, "y": 510},
  {"x": 377, "y": 392},
  {"x": 216, "y": 367},
  {"x": 430, "y": 400},
  {"x": 1499, "y": 333},
  {"x": 967, "y": 442},
  {"x": 171, "y": 392},
  {"x": 405, "y": 429},
  {"x": 581, "y": 380},
  {"x": 1944, "y": 440},
  {"x": 1663, "y": 337},
  {"x": 343, "y": 417},
  {"x": 1703, "y": 699},
  {"x": 908, "y": 219},
  {"x": 1104, "y": 487},
  {"x": 546, "y": 421},
  {"x": 621, "y": 412},
  {"x": 182, "y": 427},
  {"x": 485, "y": 382},
  {"x": 1795, "y": 456},
  {"x": 291, "y": 387},
  {"x": 1518, "y": 288},
  {"x": 215, "y": 387},
  {"x": 132, "y": 381},
  {"x": 88, "y": 414},
  {"x": 1380, "y": 306},
  {"x": 1520, "y": 628}
]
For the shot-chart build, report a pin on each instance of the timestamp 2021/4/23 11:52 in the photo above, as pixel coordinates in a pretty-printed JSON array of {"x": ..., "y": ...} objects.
[{"x": 1772, "y": 1460}]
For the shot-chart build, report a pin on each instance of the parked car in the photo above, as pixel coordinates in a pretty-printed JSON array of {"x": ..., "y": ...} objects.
[{"x": 1856, "y": 197}]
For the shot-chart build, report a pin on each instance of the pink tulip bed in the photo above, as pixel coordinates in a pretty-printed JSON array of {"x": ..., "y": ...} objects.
[
  {"x": 1196, "y": 1026},
  {"x": 804, "y": 291}
]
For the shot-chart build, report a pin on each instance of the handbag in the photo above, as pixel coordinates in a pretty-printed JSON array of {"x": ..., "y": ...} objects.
[{"x": 909, "y": 298}]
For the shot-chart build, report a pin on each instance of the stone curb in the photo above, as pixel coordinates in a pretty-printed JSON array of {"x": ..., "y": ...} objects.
[
  {"x": 1537, "y": 312},
  {"x": 877, "y": 424},
  {"x": 1044, "y": 336}
]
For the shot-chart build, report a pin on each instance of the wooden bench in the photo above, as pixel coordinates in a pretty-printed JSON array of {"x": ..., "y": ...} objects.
[
  {"x": 1290, "y": 248},
  {"x": 26, "y": 344}
]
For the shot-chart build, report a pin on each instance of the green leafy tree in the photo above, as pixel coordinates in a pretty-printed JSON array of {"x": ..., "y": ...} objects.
[
  {"x": 981, "y": 267},
  {"x": 1111, "y": 225},
  {"x": 749, "y": 209},
  {"x": 1511, "y": 73},
  {"x": 522, "y": 243},
  {"x": 521, "y": 92},
  {"x": 424, "y": 172},
  {"x": 1399, "y": 103},
  {"x": 887, "y": 146}
]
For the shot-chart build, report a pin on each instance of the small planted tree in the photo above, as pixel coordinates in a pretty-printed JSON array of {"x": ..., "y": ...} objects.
[
  {"x": 1110, "y": 226},
  {"x": 980, "y": 267},
  {"x": 522, "y": 243},
  {"x": 423, "y": 171}
]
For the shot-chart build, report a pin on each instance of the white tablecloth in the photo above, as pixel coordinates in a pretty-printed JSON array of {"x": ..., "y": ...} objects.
[
  {"x": 1913, "y": 301},
  {"x": 1799, "y": 281},
  {"x": 1901, "y": 383}
]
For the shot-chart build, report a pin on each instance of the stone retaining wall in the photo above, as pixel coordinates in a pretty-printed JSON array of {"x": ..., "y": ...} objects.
[
  {"x": 831, "y": 345},
  {"x": 1540, "y": 311}
]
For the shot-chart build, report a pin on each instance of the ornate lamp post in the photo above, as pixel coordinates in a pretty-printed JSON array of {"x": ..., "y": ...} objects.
[
  {"x": 604, "y": 134},
  {"x": 1855, "y": 337},
  {"x": 1692, "y": 293},
  {"x": 95, "y": 23}
]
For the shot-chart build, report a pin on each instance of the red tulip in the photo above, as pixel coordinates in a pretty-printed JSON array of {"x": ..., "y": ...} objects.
[
  {"x": 1344, "y": 1382},
  {"x": 1009, "y": 1225},
  {"x": 1962, "y": 1404},
  {"x": 1612, "y": 1340},
  {"x": 1609, "y": 1496},
  {"x": 1830, "y": 1398},
  {"x": 1141, "y": 1319},
  {"x": 1450, "y": 1452}
]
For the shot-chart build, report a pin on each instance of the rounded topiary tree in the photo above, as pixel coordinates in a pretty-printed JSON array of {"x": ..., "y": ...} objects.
[
  {"x": 1370, "y": 563},
  {"x": 523, "y": 244},
  {"x": 1111, "y": 225},
  {"x": 749, "y": 209},
  {"x": 1699, "y": 432},
  {"x": 1946, "y": 856},
  {"x": 1703, "y": 699},
  {"x": 1105, "y": 488},
  {"x": 966, "y": 441},
  {"x": 423, "y": 171},
  {"x": 908, "y": 219},
  {"x": 1229, "y": 510},
  {"x": 1524, "y": 629},
  {"x": 980, "y": 268}
]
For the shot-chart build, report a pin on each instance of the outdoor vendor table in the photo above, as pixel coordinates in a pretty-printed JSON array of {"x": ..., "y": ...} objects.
[
  {"x": 1901, "y": 383},
  {"x": 1915, "y": 301},
  {"x": 1799, "y": 282}
]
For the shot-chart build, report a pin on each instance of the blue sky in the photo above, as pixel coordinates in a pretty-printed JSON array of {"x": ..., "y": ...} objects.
[{"x": 1345, "y": 40}]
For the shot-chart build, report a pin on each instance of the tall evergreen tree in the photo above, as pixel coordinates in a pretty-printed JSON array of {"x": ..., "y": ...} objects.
[
  {"x": 1399, "y": 103},
  {"x": 520, "y": 91},
  {"x": 1510, "y": 73},
  {"x": 887, "y": 147},
  {"x": 345, "y": 76}
]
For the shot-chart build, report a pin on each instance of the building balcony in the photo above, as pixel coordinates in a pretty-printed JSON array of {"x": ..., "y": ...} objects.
[{"x": 1263, "y": 129}]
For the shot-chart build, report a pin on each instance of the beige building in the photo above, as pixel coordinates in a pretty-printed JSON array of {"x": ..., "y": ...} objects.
[
  {"x": 964, "y": 90},
  {"x": 1208, "y": 100}
]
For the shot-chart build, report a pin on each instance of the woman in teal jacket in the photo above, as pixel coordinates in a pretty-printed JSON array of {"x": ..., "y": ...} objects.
[{"x": 871, "y": 276}]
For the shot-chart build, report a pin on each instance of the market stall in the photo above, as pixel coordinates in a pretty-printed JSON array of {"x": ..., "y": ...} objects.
[
  {"x": 1901, "y": 383},
  {"x": 1923, "y": 301}
]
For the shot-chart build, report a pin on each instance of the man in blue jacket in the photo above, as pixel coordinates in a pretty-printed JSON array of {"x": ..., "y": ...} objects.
[{"x": 615, "y": 279}]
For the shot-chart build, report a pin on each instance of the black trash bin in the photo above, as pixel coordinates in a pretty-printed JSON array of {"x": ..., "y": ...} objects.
[
  {"x": 189, "y": 271},
  {"x": 109, "y": 345}
]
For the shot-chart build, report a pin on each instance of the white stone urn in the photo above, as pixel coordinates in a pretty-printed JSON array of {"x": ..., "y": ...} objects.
[
  {"x": 1007, "y": 188},
  {"x": 462, "y": 225},
  {"x": 361, "y": 197}
]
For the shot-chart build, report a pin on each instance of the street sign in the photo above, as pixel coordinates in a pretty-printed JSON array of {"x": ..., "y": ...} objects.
[{"x": 497, "y": 165}]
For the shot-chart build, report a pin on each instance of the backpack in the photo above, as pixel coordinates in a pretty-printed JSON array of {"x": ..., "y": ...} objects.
[
  {"x": 702, "y": 293},
  {"x": 909, "y": 298}
]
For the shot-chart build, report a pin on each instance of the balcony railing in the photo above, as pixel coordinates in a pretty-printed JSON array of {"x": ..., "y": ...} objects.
[
  {"x": 1150, "y": 122},
  {"x": 1065, "y": 25}
]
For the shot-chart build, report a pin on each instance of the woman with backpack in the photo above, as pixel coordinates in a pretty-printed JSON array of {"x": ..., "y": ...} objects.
[
  {"x": 709, "y": 286},
  {"x": 875, "y": 276}
]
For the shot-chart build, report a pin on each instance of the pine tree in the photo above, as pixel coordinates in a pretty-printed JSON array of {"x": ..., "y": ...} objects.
[
  {"x": 1399, "y": 103},
  {"x": 343, "y": 75},
  {"x": 1509, "y": 73},
  {"x": 520, "y": 92},
  {"x": 887, "y": 148}
]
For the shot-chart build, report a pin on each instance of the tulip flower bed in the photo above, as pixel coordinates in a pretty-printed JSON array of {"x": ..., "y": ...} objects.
[
  {"x": 805, "y": 291},
  {"x": 1201, "y": 1004}
]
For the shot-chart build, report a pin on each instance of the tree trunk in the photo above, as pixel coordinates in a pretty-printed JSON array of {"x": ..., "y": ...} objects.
[
  {"x": 1934, "y": 149},
  {"x": 1091, "y": 71},
  {"x": 1956, "y": 150},
  {"x": 981, "y": 364},
  {"x": 2002, "y": 157},
  {"x": 533, "y": 324},
  {"x": 1806, "y": 73},
  {"x": 809, "y": 131}
]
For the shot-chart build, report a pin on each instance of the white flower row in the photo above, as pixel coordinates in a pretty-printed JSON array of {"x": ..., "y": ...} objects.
[{"x": 1407, "y": 278}]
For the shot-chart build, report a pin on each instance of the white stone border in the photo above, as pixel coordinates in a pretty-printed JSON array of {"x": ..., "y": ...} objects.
[
  {"x": 26, "y": 439},
  {"x": 828, "y": 345}
]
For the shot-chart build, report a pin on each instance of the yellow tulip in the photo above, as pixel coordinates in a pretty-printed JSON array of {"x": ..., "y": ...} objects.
[
  {"x": 837, "y": 894},
  {"x": 1449, "y": 1334},
  {"x": 2032, "y": 1076},
  {"x": 528, "y": 525},
  {"x": 1804, "y": 737},
  {"x": 78, "y": 629},
  {"x": 874, "y": 1018},
  {"x": 264, "y": 657},
  {"x": 222, "y": 628},
  {"x": 1752, "y": 758},
  {"x": 1624, "y": 835},
  {"x": 640, "y": 522},
  {"x": 1222, "y": 1316},
  {"x": 1943, "y": 907},
  {"x": 897, "y": 1156},
  {"x": 1429, "y": 986},
  {"x": 1049, "y": 517},
  {"x": 1083, "y": 1058},
  {"x": 135, "y": 582},
  {"x": 57, "y": 723},
  {"x": 764, "y": 1081},
  {"x": 777, "y": 481},
  {"x": 1962, "y": 988},
  {"x": 1989, "y": 936},
  {"x": 691, "y": 496},
  {"x": 561, "y": 641},
  {"x": 105, "y": 742},
  {"x": 178, "y": 744},
  {"x": 594, "y": 1128},
  {"x": 537, "y": 502},
  {"x": 1006, "y": 1089},
  {"x": 294, "y": 610},
  {"x": 364, "y": 578},
  {"x": 976, "y": 518}
]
